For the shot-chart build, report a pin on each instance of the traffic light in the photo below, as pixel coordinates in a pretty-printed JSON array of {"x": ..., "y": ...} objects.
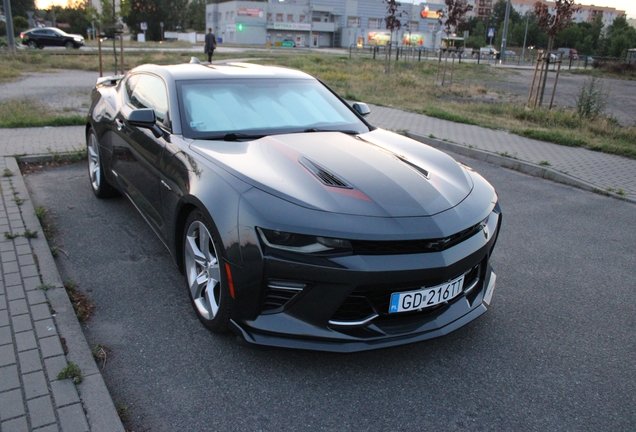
[{"x": 239, "y": 27}]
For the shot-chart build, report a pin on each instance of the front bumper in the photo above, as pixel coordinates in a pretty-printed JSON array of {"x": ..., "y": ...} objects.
[{"x": 288, "y": 331}]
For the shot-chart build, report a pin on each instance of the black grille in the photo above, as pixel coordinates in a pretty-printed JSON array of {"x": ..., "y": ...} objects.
[
  {"x": 323, "y": 175},
  {"x": 365, "y": 301},
  {"x": 278, "y": 293},
  {"x": 363, "y": 247}
]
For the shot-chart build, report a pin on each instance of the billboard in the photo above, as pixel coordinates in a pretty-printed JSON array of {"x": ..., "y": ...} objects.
[
  {"x": 250, "y": 12},
  {"x": 378, "y": 38},
  {"x": 413, "y": 40}
]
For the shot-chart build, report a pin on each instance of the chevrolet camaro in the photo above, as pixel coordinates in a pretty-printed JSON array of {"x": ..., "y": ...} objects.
[{"x": 294, "y": 221}]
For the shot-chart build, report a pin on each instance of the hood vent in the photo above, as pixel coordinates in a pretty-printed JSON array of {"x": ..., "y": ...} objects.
[
  {"x": 414, "y": 167},
  {"x": 323, "y": 175}
]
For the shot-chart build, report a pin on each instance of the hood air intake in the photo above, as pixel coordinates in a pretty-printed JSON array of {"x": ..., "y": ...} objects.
[{"x": 322, "y": 174}]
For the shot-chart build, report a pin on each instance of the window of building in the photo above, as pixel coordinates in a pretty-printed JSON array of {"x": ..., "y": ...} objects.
[
  {"x": 353, "y": 21},
  {"x": 302, "y": 18},
  {"x": 279, "y": 17},
  {"x": 290, "y": 17},
  {"x": 413, "y": 26},
  {"x": 269, "y": 17},
  {"x": 374, "y": 23},
  {"x": 232, "y": 15}
]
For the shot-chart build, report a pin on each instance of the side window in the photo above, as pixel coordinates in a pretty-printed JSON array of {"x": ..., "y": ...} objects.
[{"x": 149, "y": 92}]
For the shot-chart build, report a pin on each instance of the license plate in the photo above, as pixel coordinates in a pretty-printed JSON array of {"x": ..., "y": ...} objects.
[{"x": 426, "y": 297}]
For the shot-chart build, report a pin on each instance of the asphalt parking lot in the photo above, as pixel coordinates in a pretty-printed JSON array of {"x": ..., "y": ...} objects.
[{"x": 554, "y": 352}]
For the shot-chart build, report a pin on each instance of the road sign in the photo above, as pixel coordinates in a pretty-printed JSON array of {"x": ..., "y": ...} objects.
[
  {"x": 491, "y": 32},
  {"x": 144, "y": 25}
]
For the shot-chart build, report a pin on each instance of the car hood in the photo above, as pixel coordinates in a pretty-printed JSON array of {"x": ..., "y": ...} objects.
[{"x": 378, "y": 174}]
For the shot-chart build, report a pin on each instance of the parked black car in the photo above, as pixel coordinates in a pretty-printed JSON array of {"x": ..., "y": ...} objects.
[
  {"x": 50, "y": 36},
  {"x": 296, "y": 223}
]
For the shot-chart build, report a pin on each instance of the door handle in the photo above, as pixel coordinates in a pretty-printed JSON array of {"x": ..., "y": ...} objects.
[{"x": 119, "y": 124}]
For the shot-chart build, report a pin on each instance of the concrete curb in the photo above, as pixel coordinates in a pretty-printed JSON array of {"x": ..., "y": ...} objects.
[
  {"x": 96, "y": 400},
  {"x": 515, "y": 164}
]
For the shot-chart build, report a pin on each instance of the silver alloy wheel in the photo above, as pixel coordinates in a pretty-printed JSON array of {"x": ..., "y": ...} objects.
[
  {"x": 94, "y": 165},
  {"x": 202, "y": 270}
]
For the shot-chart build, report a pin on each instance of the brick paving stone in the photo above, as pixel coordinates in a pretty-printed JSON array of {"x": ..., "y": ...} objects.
[
  {"x": 73, "y": 418},
  {"x": 21, "y": 323},
  {"x": 4, "y": 318},
  {"x": 51, "y": 347},
  {"x": 15, "y": 292},
  {"x": 7, "y": 245},
  {"x": 31, "y": 283},
  {"x": 5, "y": 335},
  {"x": 26, "y": 260},
  {"x": 18, "y": 307},
  {"x": 64, "y": 392},
  {"x": 36, "y": 297},
  {"x": 12, "y": 279},
  {"x": 9, "y": 378},
  {"x": 41, "y": 411},
  {"x": 30, "y": 361},
  {"x": 40, "y": 312},
  {"x": 25, "y": 341},
  {"x": 15, "y": 425},
  {"x": 11, "y": 404},
  {"x": 35, "y": 385},
  {"x": 10, "y": 267},
  {"x": 8, "y": 256},
  {"x": 45, "y": 328},
  {"x": 54, "y": 365},
  {"x": 49, "y": 428},
  {"x": 21, "y": 241},
  {"x": 3, "y": 302},
  {"x": 23, "y": 250},
  {"x": 7, "y": 355},
  {"x": 28, "y": 270}
]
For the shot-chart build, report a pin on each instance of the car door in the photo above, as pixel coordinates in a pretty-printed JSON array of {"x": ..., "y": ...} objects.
[{"x": 137, "y": 150}]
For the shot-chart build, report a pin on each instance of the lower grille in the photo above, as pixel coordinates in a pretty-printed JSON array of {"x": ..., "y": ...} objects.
[
  {"x": 279, "y": 293},
  {"x": 367, "y": 301}
]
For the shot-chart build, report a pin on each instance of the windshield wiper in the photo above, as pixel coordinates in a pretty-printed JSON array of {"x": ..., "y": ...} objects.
[{"x": 350, "y": 132}]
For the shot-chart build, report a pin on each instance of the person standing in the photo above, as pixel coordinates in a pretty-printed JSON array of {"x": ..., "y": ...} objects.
[{"x": 210, "y": 44}]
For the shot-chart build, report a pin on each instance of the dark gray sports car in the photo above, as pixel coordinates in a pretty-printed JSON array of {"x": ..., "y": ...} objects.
[{"x": 295, "y": 222}]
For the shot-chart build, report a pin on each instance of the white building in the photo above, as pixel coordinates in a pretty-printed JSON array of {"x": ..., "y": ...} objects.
[{"x": 323, "y": 23}]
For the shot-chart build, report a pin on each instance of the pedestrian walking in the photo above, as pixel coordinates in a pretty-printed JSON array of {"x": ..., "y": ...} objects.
[{"x": 210, "y": 44}]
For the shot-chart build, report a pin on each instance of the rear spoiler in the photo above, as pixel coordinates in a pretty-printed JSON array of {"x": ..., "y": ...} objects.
[{"x": 109, "y": 80}]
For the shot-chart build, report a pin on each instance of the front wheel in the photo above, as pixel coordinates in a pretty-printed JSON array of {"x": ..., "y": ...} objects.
[
  {"x": 205, "y": 273},
  {"x": 101, "y": 188},
  {"x": 69, "y": 45}
]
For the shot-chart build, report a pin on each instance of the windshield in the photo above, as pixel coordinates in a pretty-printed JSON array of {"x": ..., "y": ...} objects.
[{"x": 257, "y": 107}]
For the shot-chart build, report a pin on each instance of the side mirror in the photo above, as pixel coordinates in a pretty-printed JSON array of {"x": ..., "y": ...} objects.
[
  {"x": 145, "y": 118},
  {"x": 361, "y": 108}
]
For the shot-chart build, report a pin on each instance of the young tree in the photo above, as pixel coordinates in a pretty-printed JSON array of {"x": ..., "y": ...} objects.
[
  {"x": 393, "y": 23},
  {"x": 453, "y": 15},
  {"x": 554, "y": 23}
]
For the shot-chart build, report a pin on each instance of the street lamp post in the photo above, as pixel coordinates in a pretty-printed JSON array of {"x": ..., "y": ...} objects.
[
  {"x": 505, "y": 33},
  {"x": 525, "y": 37}
]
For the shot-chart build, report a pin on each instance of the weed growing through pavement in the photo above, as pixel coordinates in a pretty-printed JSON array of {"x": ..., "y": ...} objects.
[
  {"x": 7, "y": 173},
  {"x": 55, "y": 251},
  {"x": 122, "y": 411},
  {"x": 10, "y": 236},
  {"x": 544, "y": 163},
  {"x": 100, "y": 353},
  {"x": 621, "y": 192},
  {"x": 30, "y": 234},
  {"x": 82, "y": 305},
  {"x": 72, "y": 371},
  {"x": 45, "y": 287}
]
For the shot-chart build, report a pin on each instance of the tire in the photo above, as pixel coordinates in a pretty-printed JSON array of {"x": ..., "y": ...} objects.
[
  {"x": 101, "y": 188},
  {"x": 205, "y": 275},
  {"x": 69, "y": 45},
  {"x": 32, "y": 44}
]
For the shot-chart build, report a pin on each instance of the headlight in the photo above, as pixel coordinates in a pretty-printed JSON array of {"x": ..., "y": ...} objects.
[
  {"x": 78, "y": 39},
  {"x": 302, "y": 243}
]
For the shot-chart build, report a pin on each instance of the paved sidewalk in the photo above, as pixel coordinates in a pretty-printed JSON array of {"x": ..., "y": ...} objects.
[{"x": 39, "y": 334}]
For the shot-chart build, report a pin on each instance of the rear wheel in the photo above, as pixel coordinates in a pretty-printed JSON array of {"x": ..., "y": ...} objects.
[
  {"x": 101, "y": 188},
  {"x": 205, "y": 273},
  {"x": 32, "y": 44}
]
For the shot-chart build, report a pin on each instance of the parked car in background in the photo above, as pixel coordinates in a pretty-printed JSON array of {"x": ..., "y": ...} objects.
[
  {"x": 485, "y": 52},
  {"x": 510, "y": 53},
  {"x": 569, "y": 53},
  {"x": 51, "y": 37}
]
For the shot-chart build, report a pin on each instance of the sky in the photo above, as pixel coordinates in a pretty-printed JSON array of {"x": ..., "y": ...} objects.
[{"x": 629, "y": 6}]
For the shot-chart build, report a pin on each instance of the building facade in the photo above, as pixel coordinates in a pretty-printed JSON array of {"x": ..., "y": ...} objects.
[{"x": 323, "y": 23}]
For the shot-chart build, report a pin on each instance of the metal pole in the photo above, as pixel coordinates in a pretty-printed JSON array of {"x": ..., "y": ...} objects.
[
  {"x": 525, "y": 38},
  {"x": 121, "y": 48},
  {"x": 9, "y": 25},
  {"x": 99, "y": 50},
  {"x": 505, "y": 33}
]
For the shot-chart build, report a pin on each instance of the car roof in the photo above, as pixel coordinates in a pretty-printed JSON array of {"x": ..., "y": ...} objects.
[{"x": 194, "y": 71}]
